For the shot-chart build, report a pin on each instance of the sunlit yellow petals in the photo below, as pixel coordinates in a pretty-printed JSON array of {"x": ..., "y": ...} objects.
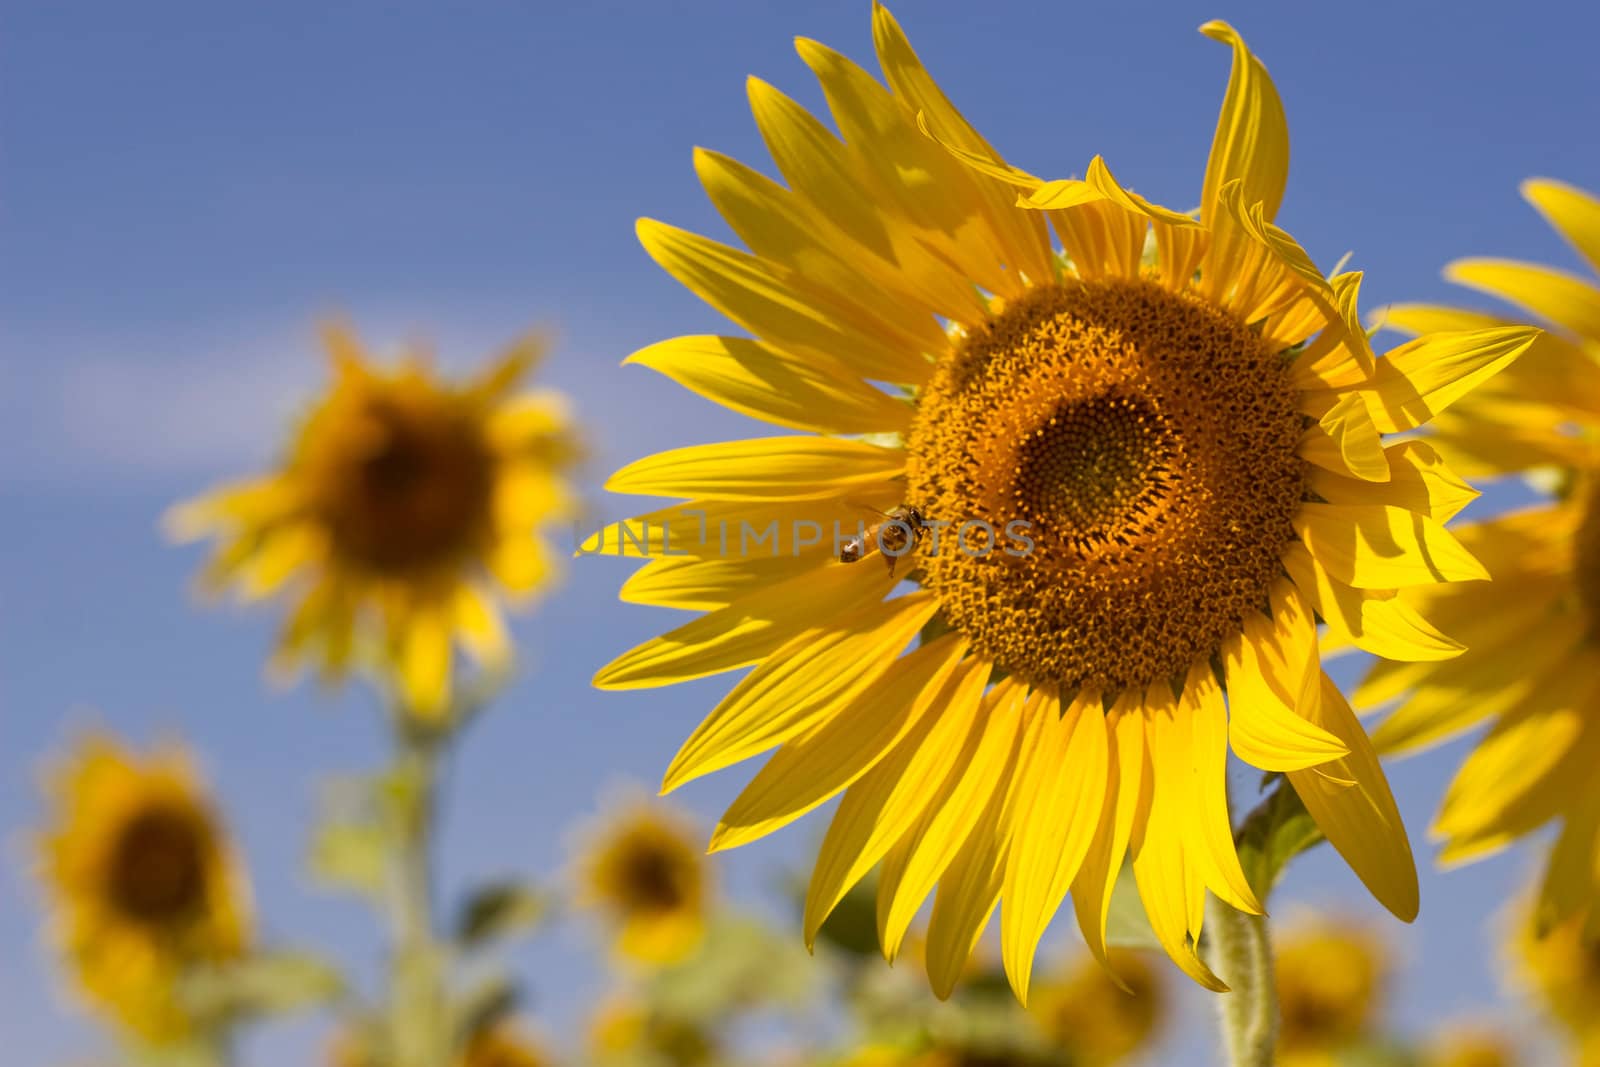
[
  {"x": 746, "y": 630},
  {"x": 1056, "y": 819},
  {"x": 1263, "y": 729},
  {"x": 884, "y": 805},
  {"x": 1422, "y": 377},
  {"x": 1375, "y": 622},
  {"x": 1420, "y": 319},
  {"x": 1102, "y": 238},
  {"x": 1179, "y": 252},
  {"x": 775, "y": 306},
  {"x": 502, "y": 376},
  {"x": 1160, "y": 868},
  {"x": 1252, "y": 139},
  {"x": 913, "y": 866},
  {"x": 719, "y": 529},
  {"x": 1360, "y": 820},
  {"x": 423, "y": 664},
  {"x": 692, "y": 584},
  {"x": 1373, "y": 546},
  {"x": 1099, "y": 177},
  {"x": 1573, "y": 212},
  {"x": 1555, "y": 296},
  {"x": 1195, "y": 742},
  {"x": 809, "y": 392},
  {"x": 1127, "y": 801},
  {"x": 817, "y": 166},
  {"x": 1060, "y": 194},
  {"x": 1344, "y": 441},
  {"x": 763, "y": 468},
  {"x": 810, "y": 769},
  {"x": 1523, "y": 751},
  {"x": 1571, "y": 876},
  {"x": 280, "y": 554},
  {"x": 1418, "y": 481},
  {"x": 1340, "y": 356},
  {"x": 1022, "y": 236},
  {"x": 811, "y": 677},
  {"x": 970, "y": 889},
  {"x": 782, "y": 229},
  {"x": 1255, "y": 269},
  {"x": 906, "y": 167}
]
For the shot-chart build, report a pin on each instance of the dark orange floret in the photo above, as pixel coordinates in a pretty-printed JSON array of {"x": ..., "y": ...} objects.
[{"x": 1150, "y": 443}]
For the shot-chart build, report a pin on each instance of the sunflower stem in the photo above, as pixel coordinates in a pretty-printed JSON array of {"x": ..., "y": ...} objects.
[
  {"x": 1241, "y": 955},
  {"x": 419, "y": 1034}
]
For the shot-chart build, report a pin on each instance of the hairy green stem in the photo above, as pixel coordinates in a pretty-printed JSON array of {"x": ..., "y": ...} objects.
[
  {"x": 1240, "y": 950},
  {"x": 419, "y": 1034}
]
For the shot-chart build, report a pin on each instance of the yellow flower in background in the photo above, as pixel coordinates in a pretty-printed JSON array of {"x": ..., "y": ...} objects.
[
  {"x": 1561, "y": 969},
  {"x": 404, "y": 507},
  {"x": 642, "y": 870},
  {"x": 142, "y": 882},
  {"x": 500, "y": 1045},
  {"x": 1329, "y": 979},
  {"x": 1184, "y": 417},
  {"x": 1533, "y": 665},
  {"x": 1096, "y": 1022},
  {"x": 1468, "y": 1045},
  {"x": 626, "y": 1030}
]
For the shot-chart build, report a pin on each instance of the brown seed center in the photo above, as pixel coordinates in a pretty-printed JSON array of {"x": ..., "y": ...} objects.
[{"x": 158, "y": 870}]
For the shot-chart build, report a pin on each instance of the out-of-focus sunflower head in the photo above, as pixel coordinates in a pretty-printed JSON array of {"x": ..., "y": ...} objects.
[
  {"x": 1560, "y": 967},
  {"x": 641, "y": 868},
  {"x": 626, "y": 1030},
  {"x": 1532, "y": 665},
  {"x": 1330, "y": 978},
  {"x": 404, "y": 509},
  {"x": 1160, "y": 453},
  {"x": 499, "y": 1045},
  {"x": 1097, "y": 1021},
  {"x": 142, "y": 883},
  {"x": 1469, "y": 1045}
]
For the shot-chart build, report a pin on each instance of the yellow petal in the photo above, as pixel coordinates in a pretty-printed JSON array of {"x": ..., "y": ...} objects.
[
  {"x": 1127, "y": 801},
  {"x": 777, "y": 307},
  {"x": 747, "y": 630},
  {"x": 1195, "y": 741},
  {"x": 694, "y": 584},
  {"x": 1252, "y": 139},
  {"x": 763, "y": 468},
  {"x": 1345, "y": 442},
  {"x": 913, "y": 866},
  {"x": 1421, "y": 378},
  {"x": 808, "y": 679},
  {"x": 1263, "y": 728},
  {"x": 1055, "y": 825},
  {"x": 1360, "y": 819},
  {"x": 809, "y": 392},
  {"x": 1378, "y": 623},
  {"x": 423, "y": 664},
  {"x": 753, "y": 530},
  {"x": 1573, "y": 212},
  {"x": 1419, "y": 480},
  {"x": 879, "y": 809},
  {"x": 809, "y": 770},
  {"x": 1371, "y": 546},
  {"x": 1555, "y": 296}
]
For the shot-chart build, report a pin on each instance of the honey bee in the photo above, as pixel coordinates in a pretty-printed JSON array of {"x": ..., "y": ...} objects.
[{"x": 899, "y": 534}]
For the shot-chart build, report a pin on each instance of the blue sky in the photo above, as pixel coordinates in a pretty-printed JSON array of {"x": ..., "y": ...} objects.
[{"x": 186, "y": 188}]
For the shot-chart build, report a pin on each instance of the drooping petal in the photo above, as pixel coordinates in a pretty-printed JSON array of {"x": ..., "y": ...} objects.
[
  {"x": 1252, "y": 139},
  {"x": 1373, "y": 546}
]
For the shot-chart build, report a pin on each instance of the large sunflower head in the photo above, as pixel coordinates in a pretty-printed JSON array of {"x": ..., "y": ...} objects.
[
  {"x": 642, "y": 871},
  {"x": 1125, "y": 476},
  {"x": 404, "y": 506},
  {"x": 141, "y": 881},
  {"x": 1533, "y": 663}
]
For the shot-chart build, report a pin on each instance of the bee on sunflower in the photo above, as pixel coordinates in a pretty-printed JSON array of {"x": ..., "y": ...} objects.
[
  {"x": 640, "y": 869},
  {"x": 1193, "y": 441},
  {"x": 142, "y": 881},
  {"x": 1533, "y": 660},
  {"x": 405, "y": 507}
]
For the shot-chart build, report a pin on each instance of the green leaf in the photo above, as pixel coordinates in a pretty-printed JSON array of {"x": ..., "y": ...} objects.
[
  {"x": 1277, "y": 831},
  {"x": 268, "y": 983},
  {"x": 499, "y": 910},
  {"x": 1127, "y": 925},
  {"x": 350, "y": 855}
]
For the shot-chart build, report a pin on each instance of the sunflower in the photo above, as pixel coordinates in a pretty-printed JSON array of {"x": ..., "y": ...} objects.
[
  {"x": 1561, "y": 969},
  {"x": 1096, "y": 1022},
  {"x": 642, "y": 870},
  {"x": 499, "y": 1045},
  {"x": 142, "y": 882},
  {"x": 1470, "y": 1045},
  {"x": 626, "y": 1030},
  {"x": 403, "y": 505},
  {"x": 1534, "y": 634},
  {"x": 1329, "y": 981},
  {"x": 1129, "y": 475}
]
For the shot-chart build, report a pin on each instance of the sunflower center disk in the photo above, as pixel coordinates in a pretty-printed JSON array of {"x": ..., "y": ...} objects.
[
  {"x": 1146, "y": 443},
  {"x": 158, "y": 868},
  {"x": 410, "y": 490}
]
